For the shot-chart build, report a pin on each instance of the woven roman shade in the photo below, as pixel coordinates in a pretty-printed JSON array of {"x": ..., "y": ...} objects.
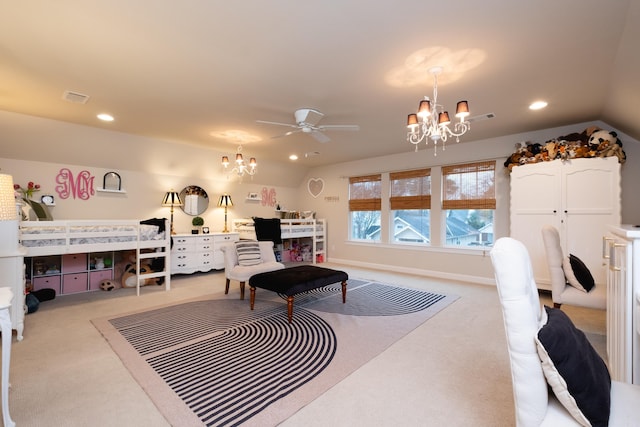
[
  {"x": 365, "y": 193},
  {"x": 410, "y": 189},
  {"x": 469, "y": 186}
]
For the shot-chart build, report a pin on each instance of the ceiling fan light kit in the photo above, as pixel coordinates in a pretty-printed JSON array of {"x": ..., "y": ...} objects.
[
  {"x": 306, "y": 121},
  {"x": 433, "y": 122}
]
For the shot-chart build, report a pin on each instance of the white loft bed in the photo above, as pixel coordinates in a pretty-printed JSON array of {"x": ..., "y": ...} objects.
[
  {"x": 41, "y": 238},
  {"x": 289, "y": 229}
]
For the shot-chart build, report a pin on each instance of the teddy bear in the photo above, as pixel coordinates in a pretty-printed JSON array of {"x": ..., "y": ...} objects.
[{"x": 606, "y": 143}]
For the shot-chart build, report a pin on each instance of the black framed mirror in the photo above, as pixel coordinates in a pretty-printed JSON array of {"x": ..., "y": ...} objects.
[{"x": 194, "y": 200}]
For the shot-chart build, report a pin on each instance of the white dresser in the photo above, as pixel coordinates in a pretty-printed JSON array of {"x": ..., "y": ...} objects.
[
  {"x": 621, "y": 250},
  {"x": 199, "y": 252}
]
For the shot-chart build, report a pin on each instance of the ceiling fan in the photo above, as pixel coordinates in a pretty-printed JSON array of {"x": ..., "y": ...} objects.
[{"x": 307, "y": 120}]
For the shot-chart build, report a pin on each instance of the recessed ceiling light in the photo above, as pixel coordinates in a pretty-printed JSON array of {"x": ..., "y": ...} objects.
[
  {"x": 538, "y": 105},
  {"x": 293, "y": 157},
  {"x": 105, "y": 117}
]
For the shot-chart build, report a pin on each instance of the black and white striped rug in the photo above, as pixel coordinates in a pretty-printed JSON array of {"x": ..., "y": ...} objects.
[{"x": 217, "y": 363}]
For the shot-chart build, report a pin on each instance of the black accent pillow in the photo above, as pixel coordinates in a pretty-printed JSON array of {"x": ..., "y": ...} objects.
[
  {"x": 574, "y": 370},
  {"x": 577, "y": 273}
]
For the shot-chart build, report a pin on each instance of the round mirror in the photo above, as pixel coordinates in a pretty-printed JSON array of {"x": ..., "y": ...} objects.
[{"x": 194, "y": 200}]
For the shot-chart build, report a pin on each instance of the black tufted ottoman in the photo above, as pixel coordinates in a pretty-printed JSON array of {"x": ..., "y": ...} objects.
[{"x": 294, "y": 280}]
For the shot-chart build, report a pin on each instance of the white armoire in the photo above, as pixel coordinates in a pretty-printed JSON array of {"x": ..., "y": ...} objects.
[{"x": 580, "y": 197}]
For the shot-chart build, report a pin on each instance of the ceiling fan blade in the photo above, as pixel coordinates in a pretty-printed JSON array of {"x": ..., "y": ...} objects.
[
  {"x": 276, "y": 123},
  {"x": 339, "y": 127},
  {"x": 291, "y": 132},
  {"x": 320, "y": 137}
]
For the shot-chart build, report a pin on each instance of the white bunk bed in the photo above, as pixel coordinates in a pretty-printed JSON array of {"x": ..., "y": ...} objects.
[
  {"x": 290, "y": 229},
  {"x": 41, "y": 238}
]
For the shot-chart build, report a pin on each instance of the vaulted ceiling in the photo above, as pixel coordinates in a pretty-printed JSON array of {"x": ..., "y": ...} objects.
[{"x": 203, "y": 72}]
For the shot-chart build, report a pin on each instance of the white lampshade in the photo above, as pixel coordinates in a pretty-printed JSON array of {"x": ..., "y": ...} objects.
[
  {"x": 8, "y": 210},
  {"x": 8, "y": 216}
]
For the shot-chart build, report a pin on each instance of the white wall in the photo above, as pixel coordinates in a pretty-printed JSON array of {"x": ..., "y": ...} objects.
[
  {"x": 35, "y": 149},
  {"x": 462, "y": 264},
  {"x": 144, "y": 192}
]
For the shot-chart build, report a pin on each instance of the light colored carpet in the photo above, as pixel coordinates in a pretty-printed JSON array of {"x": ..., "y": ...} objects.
[
  {"x": 217, "y": 362},
  {"x": 452, "y": 370}
]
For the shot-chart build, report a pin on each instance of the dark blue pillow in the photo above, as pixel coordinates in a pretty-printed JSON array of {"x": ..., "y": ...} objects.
[
  {"x": 577, "y": 273},
  {"x": 574, "y": 370}
]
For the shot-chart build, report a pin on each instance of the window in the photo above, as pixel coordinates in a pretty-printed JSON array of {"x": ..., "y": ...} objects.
[
  {"x": 365, "y": 200},
  {"x": 410, "y": 201},
  {"x": 469, "y": 203}
]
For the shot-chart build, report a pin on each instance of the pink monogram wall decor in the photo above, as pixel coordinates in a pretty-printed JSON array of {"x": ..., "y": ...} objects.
[
  {"x": 79, "y": 188},
  {"x": 268, "y": 196}
]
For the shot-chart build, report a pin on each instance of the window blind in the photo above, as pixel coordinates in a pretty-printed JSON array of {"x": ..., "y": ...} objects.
[
  {"x": 469, "y": 186},
  {"x": 410, "y": 189},
  {"x": 365, "y": 193}
]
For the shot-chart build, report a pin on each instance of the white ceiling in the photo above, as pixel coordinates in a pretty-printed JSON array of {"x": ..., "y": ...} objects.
[{"x": 180, "y": 71}]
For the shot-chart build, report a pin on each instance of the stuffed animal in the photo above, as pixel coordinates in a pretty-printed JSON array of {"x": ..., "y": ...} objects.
[
  {"x": 606, "y": 143},
  {"x": 107, "y": 285},
  {"x": 129, "y": 276}
]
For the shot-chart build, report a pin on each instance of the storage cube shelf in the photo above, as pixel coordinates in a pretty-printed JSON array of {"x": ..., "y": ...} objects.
[{"x": 70, "y": 273}]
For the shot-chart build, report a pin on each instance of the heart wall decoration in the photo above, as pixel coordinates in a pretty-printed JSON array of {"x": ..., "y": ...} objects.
[{"x": 315, "y": 186}]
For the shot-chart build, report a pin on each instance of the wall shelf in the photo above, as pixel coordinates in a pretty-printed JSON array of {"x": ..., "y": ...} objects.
[{"x": 107, "y": 190}]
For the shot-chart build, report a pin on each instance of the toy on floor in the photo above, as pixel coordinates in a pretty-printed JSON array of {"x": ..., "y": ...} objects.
[{"x": 107, "y": 285}]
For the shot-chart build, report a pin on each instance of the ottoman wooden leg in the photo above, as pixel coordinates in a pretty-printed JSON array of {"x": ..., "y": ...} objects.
[
  {"x": 344, "y": 291},
  {"x": 290, "y": 308},
  {"x": 252, "y": 296},
  {"x": 226, "y": 288},
  {"x": 242, "y": 290}
]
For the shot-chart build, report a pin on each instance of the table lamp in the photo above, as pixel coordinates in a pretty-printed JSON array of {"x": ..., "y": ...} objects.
[
  {"x": 171, "y": 199},
  {"x": 225, "y": 201}
]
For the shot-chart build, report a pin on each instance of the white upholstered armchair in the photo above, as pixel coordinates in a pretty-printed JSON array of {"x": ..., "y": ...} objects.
[
  {"x": 561, "y": 291},
  {"x": 522, "y": 313},
  {"x": 242, "y": 273}
]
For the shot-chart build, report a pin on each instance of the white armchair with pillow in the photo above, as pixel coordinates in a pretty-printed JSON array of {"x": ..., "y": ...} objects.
[
  {"x": 545, "y": 348},
  {"x": 570, "y": 278},
  {"x": 244, "y": 258}
]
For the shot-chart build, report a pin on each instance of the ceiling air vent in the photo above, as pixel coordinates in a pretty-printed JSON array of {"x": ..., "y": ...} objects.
[
  {"x": 481, "y": 117},
  {"x": 75, "y": 97}
]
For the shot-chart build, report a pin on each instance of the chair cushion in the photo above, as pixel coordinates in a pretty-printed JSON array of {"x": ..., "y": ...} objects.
[
  {"x": 248, "y": 252},
  {"x": 576, "y": 373},
  {"x": 577, "y": 273}
]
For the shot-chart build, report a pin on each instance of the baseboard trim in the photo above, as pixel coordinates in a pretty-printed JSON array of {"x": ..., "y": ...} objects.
[{"x": 417, "y": 271}]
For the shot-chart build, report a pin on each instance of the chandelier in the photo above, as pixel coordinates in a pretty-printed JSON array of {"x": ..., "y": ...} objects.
[
  {"x": 432, "y": 122},
  {"x": 240, "y": 167}
]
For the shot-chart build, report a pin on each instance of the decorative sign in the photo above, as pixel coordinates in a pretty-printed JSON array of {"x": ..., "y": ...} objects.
[
  {"x": 268, "y": 196},
  {"x": 79, "y": 188},
  {"x": 315, "y": 186}
]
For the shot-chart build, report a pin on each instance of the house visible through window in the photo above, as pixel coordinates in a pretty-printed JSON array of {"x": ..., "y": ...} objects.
[
  {"x": 365, "y": 200},
  {"x": 410, "y": 201},
  {"x": 469, "y": 203}
]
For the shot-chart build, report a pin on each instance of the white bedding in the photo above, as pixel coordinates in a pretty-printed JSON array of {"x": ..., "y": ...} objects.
[
  {"x": 89, "y": 234},
  {"x": 59, "y": 237}
]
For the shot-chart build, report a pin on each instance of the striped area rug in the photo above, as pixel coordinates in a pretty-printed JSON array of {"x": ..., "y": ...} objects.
[{"x": 217, "y": 363}]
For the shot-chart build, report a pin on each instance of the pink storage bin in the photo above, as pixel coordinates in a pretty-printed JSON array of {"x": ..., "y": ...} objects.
[
  {"x": 72, "y": 283},
  {"x": 74, "y": 263},
  {"x": 95, "y": 277},
  {"x": 46, "y": 282}
]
